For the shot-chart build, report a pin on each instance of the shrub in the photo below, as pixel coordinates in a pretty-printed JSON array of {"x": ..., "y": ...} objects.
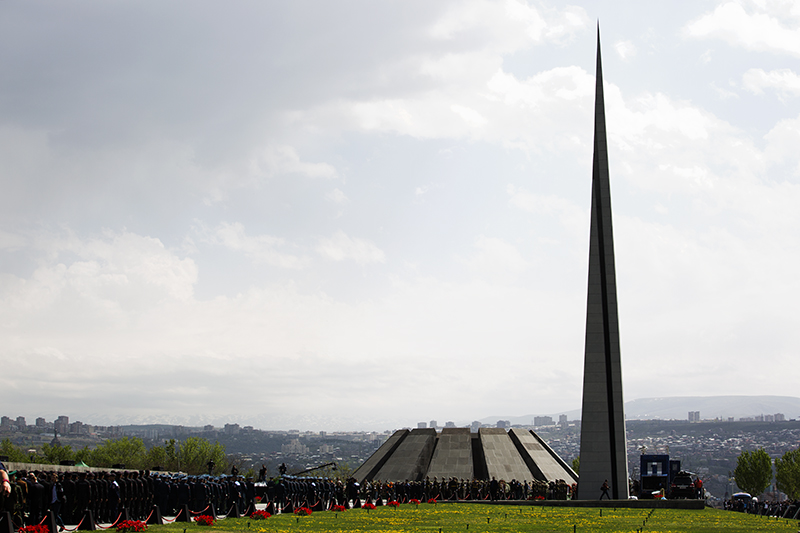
[
  {"x": 260, "y": 515},
  {"x": 204, "y": 520},
  {"x": 38, "y": 528},
  {"x": 131, "y": 525}
]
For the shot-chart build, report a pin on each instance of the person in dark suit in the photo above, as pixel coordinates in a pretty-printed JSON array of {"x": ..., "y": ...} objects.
[
  {"x": 56, "y": 499},
  {"x": 36, "y": 499},
  {"x": 494, "y": 487}
]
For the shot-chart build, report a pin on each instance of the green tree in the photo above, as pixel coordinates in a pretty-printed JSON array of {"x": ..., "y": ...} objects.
[
  {"x": 83, "y": 455},
  {"x": 787, "y": 473},
  {"x": 130, "y": 452},
  {"x": 753, "y": 471},
  {"x": 195, "y": 453},
  {"x": 55, "y": 454},
  {"x": 15, "y": 454},
  {"x": 171, "y": 449},
  {"x": 157, "y": 457},
  {"x": 576, "y": 465}
]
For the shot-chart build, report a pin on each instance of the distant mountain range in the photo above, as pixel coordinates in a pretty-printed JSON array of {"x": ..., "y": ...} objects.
[
  {"x": 678, "y": 407},
  {"x": 264, "y": 421}
]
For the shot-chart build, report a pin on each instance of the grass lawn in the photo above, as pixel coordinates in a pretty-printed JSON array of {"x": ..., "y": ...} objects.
[{"x": 476, "y": 518}]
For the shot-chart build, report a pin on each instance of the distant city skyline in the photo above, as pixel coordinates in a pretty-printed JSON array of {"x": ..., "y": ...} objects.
[{"x": 725, "y": 408}]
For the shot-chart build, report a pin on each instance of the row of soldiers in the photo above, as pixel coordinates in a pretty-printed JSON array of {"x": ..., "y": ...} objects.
[
  {"x": 106, "y": 494},
  {"x": 322, "y": 493},
  {"x": 462, "y": 489}
]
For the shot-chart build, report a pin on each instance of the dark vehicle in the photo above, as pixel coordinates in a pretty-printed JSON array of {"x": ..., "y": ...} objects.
[{"x": 686, "y": 485}]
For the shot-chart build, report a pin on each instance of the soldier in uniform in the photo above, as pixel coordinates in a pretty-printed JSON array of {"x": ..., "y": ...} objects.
[{"x": 114, "y": 495}]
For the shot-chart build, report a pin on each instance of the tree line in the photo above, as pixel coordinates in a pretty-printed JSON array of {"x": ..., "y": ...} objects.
[
  {"x": 194, "y": 455},
  {"x": 753, "y": 472}
]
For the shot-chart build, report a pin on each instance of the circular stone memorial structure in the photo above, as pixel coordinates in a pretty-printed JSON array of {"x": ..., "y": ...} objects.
[{"x": 414, "y": 455}]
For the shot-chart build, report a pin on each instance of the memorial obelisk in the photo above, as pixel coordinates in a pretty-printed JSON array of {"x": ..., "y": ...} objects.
[{"x": 603, "y": 455}]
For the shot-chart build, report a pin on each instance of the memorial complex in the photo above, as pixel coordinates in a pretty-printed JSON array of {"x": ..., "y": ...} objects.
[{"x": 520, "y": 454}]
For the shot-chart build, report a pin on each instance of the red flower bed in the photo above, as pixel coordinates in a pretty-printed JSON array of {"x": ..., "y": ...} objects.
[
  {"x": 302, "y": 511},
  {"x": 204, "y": 520},
  {"x": 340, "y": 508},
  {"x": 131, "y": 525},
  {"x": 414, "y": 501},
  {"x": 260, "y": 515},
  {"x": 432, "y": 500},
  {"x": 393, "y": 503},
  {"x": 38, "y": 528},
  {"x": 366, "y": 506}
]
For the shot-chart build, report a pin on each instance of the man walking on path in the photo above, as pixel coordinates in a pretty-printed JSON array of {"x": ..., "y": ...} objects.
[{"x": 604, "y": 488}]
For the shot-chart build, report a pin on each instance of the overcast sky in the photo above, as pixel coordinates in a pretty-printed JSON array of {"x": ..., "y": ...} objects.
[{"x": 361, "y": 215}]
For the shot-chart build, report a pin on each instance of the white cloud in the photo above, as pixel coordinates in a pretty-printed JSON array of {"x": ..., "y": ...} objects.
[
  {"x": 625, "y": 49},
  {"x": 570, "y": 215},
  {"x": 105, "y": 274},
  {"x": 508, "y": 25},
  {"x": 272, "y": 330},
  {"x": 470, "y": 116},
  {"x": 341, "y": 247},
  {"x": 545, "y": 88},
  {"x": 705, "y": 200},
  {"x": 782, "y": 143},
  {"x": 496, "y": 258},
  {"x": 277, "y": 160},
  {"x": 260, "y": 248},
  {"x": 464, "y": 92},
  {"x": 336, "y": 196},
  {"x": 784, "y": 81},
  {"x": 764, "y": 28},
  {"x": 724, "y": 94},
  {"x": 490, "y": 105},
  {"x": 130, "y": 259}
]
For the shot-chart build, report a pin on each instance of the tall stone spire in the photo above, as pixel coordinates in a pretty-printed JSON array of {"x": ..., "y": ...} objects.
[{"x": 603, "y": 455}]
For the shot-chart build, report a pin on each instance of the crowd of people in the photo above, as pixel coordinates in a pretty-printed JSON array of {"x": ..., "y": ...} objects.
[
  {"x": 28, "y": 496},
  {"x": 784, "y": 509},
  {"x": 322, "y": 492}
]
